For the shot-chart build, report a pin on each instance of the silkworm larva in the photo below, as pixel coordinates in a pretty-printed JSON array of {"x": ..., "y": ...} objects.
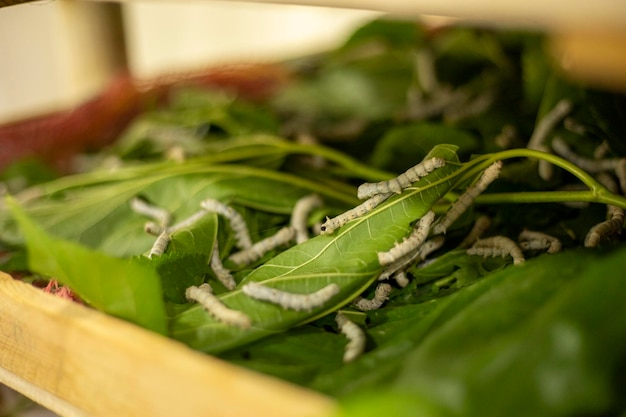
[
  {"x": 466, "y": 199},
  {"x": 410, "y": 243},
  {"x": 620, "y": 172},
  {"x": 300, "y": 214},
  {"x": 355, "y": 336},
  {"x": 160, "y": 215},
  {"x": 533, "y": 240},
  {"x": 288, "y": 300},
  {"x": 605, "y": 229},
  {"x": 547, "y": 123},
  {"x": 222, "y": 274},
  {"x": 160, "y": 244},
  {"x": 152, "y": 228},
  {"x": 480, "y": 226},
  {"x": 541, "y": 132},
  {"x": 422, "y": 253},
  {"x": 497, "y": 246},
  {"x": 237, "y": 223},
  {"x": 381, "y": 294},
  {"x": 401, "y": 279},
  {"x": 402, "y": 181},
  {"x": 203, "y": 295},
  {"x": 188, "y": 222},
  {"x": 330, "y": 225},
  {"x": 260, "y": 248},
  {"x": 590, "y": 165}
]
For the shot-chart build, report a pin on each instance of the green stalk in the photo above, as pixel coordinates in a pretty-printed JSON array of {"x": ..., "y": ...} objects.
[{"x": 597, "y": 192}]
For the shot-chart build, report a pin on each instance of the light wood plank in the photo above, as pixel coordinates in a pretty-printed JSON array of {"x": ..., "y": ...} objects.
[{"x": 79, "y": 362}]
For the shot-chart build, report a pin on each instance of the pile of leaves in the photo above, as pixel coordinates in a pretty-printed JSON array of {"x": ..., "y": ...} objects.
[{"x": 468, "y": 335}]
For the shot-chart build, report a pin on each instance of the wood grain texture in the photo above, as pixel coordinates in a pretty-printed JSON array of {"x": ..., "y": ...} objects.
[{"x": 79, "y": 362}]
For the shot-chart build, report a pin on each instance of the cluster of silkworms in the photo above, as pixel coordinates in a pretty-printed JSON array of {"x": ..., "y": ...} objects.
[
  {"x": 427, "y": 236},
  {"x": 598, "y": 165},
  {"x": 249, "y": 252}
]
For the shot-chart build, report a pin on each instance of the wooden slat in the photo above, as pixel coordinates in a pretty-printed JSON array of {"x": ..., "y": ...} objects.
[{"x": 80, "y": 362}]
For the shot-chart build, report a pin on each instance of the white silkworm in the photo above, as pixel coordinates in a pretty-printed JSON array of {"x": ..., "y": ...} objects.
[
  {"x": 601, "y": 150},
  {"x": 260, "y": 248},
  {"x": 165, "y": 233},
  {"x": 222, "y": 274},
  {"x": 533, "y": 240},
  {"x": 620, "y": 172},
  {"x": 355, "y": 336},
  {"x": 466, "y": 199},
  {"x": 401, "y": 279},
  {"x": 289, "y": 300},
  {"x": 160, "y": 215},
  {"x": 497, "y": 246},
  {"x": 300, "y": 214},
  {"x": 404, "y": 180},
  {"x": 590, "y": 165},
  {"x": 410, "y": 243},
  {"x": 204, "y": 296},
  {"x": 381, "y": 294},
  {"x": 153, "y": 229},
  {"x": 605, "y": 229},
  {"x": 425, "y": 71},
  {"x": 160, "y": 244},
  {"x": 471, "y": 107},
  {"x": 237, "y": 223},
  {"x": 422, "y": 253},
  {"x": 547, "y": 123},
  {"x": 480, "y": 226},
  {"x": 188, "y": 222},
  {"x": 330, "y": 225},
  {"x": 541, "y": 132}
]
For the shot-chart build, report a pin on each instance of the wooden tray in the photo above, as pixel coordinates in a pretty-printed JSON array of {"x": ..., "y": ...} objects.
[{"x": 79, "y": 362}]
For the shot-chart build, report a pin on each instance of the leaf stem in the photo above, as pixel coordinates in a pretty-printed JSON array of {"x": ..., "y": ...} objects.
[{"x": 597, "y": 192}]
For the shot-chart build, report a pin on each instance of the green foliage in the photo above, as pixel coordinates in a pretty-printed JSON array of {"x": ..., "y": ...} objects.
[
  {"x": 467, "y": 335},
  {"x": 119, "y": 287}
]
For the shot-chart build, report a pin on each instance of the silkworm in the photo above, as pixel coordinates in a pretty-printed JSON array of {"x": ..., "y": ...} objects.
[
  {"x": 471, "y": 107},
  {"x": 355, "y": 336},
  {"x": 620, "y": 172},
  {"x": 606, "y": 229},
  {"x": 160, "y": 244},
  {"x": 402, "y": 181},
  {"x": 330, "y": 225},
  {"x": 237, "y": 223},
  {"x": 533, "y": 240},
  {"x": 165, "y": 233},
  {"x": 401, "y": 279},
  {"x": 222, "y": 274},
  {"x": 203, "y": 295},
  {"x": 466, "y": 199},
  {"x": 300, "y": 214},
  {"x": 153, "y": 229},
  {"x": 260, "y": 248},
  {"x": 381, "y": 294},
  {"x": 410, "y": 243},
  {"x": 420, "y": 254},
  {"x": 543, "y": 129},
  {"x": 547, "y": 123},
  {"x": 497, "y": 246},
  {"x": 601, "y": 150},
  {"x": 188, "y": 222},
  {"x": 425, "y": 71},
  {"x": 160, "y": 215},
  {"x": 480, "y": 226},
  {"x": 288, "y": 300},
  {"x": 590, "y": 165}
]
